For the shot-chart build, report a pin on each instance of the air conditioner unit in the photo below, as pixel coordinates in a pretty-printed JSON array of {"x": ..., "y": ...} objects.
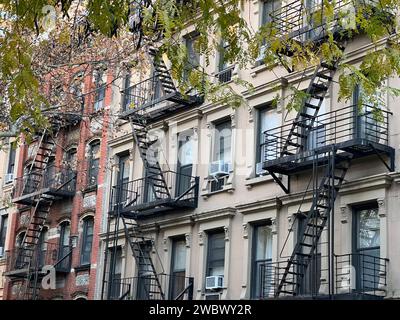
[
  {"x": 214, "y": 282},
  {"x": 219, "y": 168},
  {"x": 9, "y": 177},
  {"x": 259, "y": 169}
]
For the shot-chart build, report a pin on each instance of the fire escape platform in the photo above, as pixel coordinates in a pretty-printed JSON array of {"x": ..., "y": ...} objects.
[
  {"x": 303, "y": 161},
  {"x": 29, "y": 199}
]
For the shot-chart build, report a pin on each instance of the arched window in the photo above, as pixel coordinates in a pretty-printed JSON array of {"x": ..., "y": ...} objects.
[
  {"x": 94, "y": 156},
  {"x": 87, "y": 240},
  {"x": 64, "y": 246}
]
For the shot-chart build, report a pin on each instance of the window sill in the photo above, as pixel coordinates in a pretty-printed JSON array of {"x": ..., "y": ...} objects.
[
  {"x": 83, "y": 267},
  {"x": 258, "y": 180},
  {"x": 227, "y": 188}
]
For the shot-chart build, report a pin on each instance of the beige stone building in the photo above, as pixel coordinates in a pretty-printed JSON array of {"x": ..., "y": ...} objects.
[
  {"x": 8, "y": 169},
  {"x": 254, "y": 202}
]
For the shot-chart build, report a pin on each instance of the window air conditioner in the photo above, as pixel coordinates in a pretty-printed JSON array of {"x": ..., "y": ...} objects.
[
  {"x": 214, "y": 282},
  {"x": 219, "y": 168},
  {"x": 259, "y": 169},
  {"x": 8, "y": 178}
]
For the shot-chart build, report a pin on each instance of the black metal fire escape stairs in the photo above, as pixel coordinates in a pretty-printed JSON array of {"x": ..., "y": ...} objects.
[
  {"x": 27, "y": 257},
  {"x": 315, "y": 221},
  {"x": 155, "y": 179},
  {"x": 39, "y": 213},
  {"x": 303, "y": 122}
]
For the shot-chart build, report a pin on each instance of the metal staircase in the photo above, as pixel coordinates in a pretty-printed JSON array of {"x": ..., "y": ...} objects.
[
  {"x": 151, "y": 285},
  {"x": 154, "y": 174},
  {"x": 324, "y": 197},
  {"x": 315, "y": 94},
  {"x": 39, "y": 213}
]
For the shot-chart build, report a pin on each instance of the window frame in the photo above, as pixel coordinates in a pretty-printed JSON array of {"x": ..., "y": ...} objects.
[
  {"x": 3, "y": 232},
  {"x": 100, "y": 90},
  {"x": 85, "y": 260},
  {"x": 210, "y": 235},
  {"x": 93, "y": 171}
]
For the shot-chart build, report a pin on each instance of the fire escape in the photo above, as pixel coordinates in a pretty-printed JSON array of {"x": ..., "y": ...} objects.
[
  {"x": 157, "y": 193},
  {"x": 324, "y": 144},
  {"x": 40, "y": 186}
]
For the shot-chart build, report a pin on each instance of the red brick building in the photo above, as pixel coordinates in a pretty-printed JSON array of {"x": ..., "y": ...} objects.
[{"x": 58, "y": 193}]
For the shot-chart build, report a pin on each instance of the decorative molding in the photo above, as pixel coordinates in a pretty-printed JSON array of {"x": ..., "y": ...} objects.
[
  {"x": 226, "y": 232},
  {"x": 274, "y": 226},
  {"x": 214, "y": 214},
  {"x": 250, "y": 110},
  {"x": 260, "y": 205},
  {"x": 188, "y": 240},
  {"x": 233, "y": 119},
  {"x": 344, "y": 214},
  {"x": 381, "y": 208},
  {"x": 290, "y": 221},
  {"x": 201, "y": 238},
  {"x": 245, "y": 228},
  {"x": 165, "y": 244}
]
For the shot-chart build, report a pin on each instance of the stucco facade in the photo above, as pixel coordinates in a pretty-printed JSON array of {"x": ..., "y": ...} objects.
[{"x": 248, "y": 200}]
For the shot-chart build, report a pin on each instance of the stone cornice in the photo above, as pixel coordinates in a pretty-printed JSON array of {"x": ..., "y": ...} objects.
[
  {"x": 226, "y": 212},
  {"x": 257, "y": 206}
]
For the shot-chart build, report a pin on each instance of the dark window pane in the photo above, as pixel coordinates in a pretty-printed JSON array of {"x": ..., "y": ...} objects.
[{"x": 216, "y": 254}]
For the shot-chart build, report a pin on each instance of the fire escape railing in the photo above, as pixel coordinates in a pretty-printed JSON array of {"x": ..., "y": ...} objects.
[
  {"x": 302, "y": 22},
  {"x": 61, "y": 179},
  {"x": 330, "y": 128},
  {"x": 176, "y": 287},
  {"x": 354, "y": 273},
  {"x": 142, "y": 94},
  {"x": 140, "y": 192},
  {"x": 44, "y": 254}
]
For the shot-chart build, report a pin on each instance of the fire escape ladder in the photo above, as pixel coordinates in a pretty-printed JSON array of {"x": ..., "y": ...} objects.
[
  {"x": 154, "y": 174},
  {"x": 315, "y": 94},
  {"x": 146, "y": 269},
  {"x": 323, "y": 200},
  {"x": 161, "y": 72},
  {"x": 39, "y": 213}
]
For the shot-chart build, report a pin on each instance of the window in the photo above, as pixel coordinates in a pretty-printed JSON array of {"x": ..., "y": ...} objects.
[
  {"x": 87, "y": 240},
  {"x": 366, "y": 243},
  {"x": 267, "y": 8},
  {"x": 367, "y": 125},
  {"x": 43, "y": 247},
  {"x": 311, "y": 281},
  {"x": 216, "y": 254},
  {"x": 262, "y": 258},
  {"x": 225, "y": 72},
  {"x": 178, "y": 268},
  {"x": 268, "y": 119},
  {"x": 115, "y": 275},
  {"x": 64, "y": 246},
  {"x": 193, "y": 54},
  {"x": 50, "y": 175},
  {"x": 100, "y": 91},
  {"x": 185, "y": 162},
  {"x": 3, "y": 232},
  {"x": 11, "y": 161},
  {"x": 222, "y": 142},
  {"x": 94, "y": 158},
  {"x": 221, "y": 164},
  {"x": 126, "y": 98},
  {"x": 317, "y": 135},
  {"x": 70, "y": 158},
  {"x": 146, "y": 280},
  {"x": 122, "y": 194}
]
